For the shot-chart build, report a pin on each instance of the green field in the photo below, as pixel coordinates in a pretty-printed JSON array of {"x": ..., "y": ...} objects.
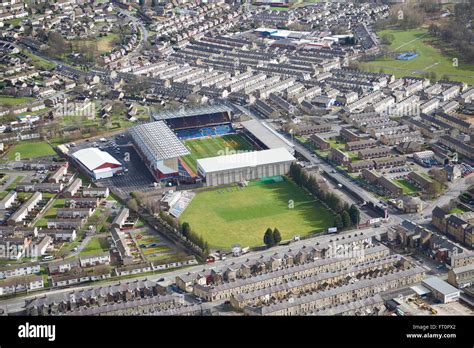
[
  {"x": 8, "y": 100},
  {"x": 100, "y": 45},
  {"x": 38, "y": 62},
  {"x": 408, "y": 187},
  {"x": 30, "y": 149},
  {"x": 212, "y": 147},
  {"x": 430, "y": 58},
  {"x": 242, "y": 216},
  {"x": 96, "y": 245}
]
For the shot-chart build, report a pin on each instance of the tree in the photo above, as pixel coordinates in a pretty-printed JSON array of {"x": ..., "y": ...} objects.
[
  {"x": 132, "y": 204},
  {"x": 276, "y": 236},
  {"x": 268, "y": 238},
  {"x": 354, "y": 214},
  {"x": 338, "y": 221},
  {"x": 387, "y": 39},
  {"x": 186, "y": 229},
  {"x": 346, "y": 219},
  {"x": 57, "y": 44}
]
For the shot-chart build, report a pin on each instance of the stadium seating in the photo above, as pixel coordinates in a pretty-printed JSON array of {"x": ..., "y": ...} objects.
[
  {"x": 194, "y": 133},
  {"x": 198, "y": 121}
]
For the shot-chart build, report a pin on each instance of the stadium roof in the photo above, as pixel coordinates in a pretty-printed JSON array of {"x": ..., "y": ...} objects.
[
  {"x": 157, "y": 141},
  {"x": 200, "y": 110},
  {"x": 244, "y": 159},
  {"x": 267, "y": 136},
  {"x": 92, "y": 158}
]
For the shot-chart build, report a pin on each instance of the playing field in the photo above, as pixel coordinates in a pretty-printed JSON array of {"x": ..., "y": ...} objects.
[
  {"x": 430, "y": 57},
  {"x": 215, "y": 146},
  {"x": 228, "y": 216},
  {"x": 30, "y": 149}
]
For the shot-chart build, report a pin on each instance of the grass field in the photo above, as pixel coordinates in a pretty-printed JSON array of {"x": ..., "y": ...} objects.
[
  {"x": 430, "y": 57},
  {"x": 38, "y": 62},
  {"x": 408, "y": 187},
  {"x": 242, "y": 216},
  {"x": 100, "y": 45},
  {"x": 95, "y": 245},
  {"x": 7, "y": 100},
  {"x": 30, "y": 149},
  {"x": 212, "y": 147}
]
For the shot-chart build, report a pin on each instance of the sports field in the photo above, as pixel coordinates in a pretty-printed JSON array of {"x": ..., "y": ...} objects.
[
  {"x": 30, "y": 149},
  {"x": 233, "y": 215},
  {"x": 430, "y": 57},
  {"x": 215, "y": 146}
]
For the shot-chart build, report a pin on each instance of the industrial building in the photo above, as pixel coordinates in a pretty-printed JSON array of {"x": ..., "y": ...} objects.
[
  {"x": 441, "y": 290},
  {"x": 245, "y": 166},
  {"x": 96, "y": 163}
]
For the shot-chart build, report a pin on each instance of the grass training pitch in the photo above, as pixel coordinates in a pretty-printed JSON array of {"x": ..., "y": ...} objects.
[
  {"x": 433, "y": 56},
  {"x": 30, "y": 149},
  {"x": 227, "y": 216},
  {"x": 215, "y": 146}
]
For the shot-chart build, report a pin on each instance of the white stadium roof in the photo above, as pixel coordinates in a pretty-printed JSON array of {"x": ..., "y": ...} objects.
[
  {"x": 267, "y": 136},
  {"x": 188, "y": 112},
  {"x": 244, "y": 160},
  {"x": 93, "y": 158},
  {"x": 157, "y": 141}
]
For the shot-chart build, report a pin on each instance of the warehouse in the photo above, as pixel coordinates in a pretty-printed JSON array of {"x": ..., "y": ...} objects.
[
  {"x": 97, "y": 164},
  {"x": 159, "y": 148},
  {"x": 441, "y": 290},
  {"x": 240, "y": 167}
]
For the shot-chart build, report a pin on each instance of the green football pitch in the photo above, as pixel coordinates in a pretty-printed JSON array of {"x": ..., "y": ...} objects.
[
  {"x": 214, "y": 146},
  {"x": 233, "y": 215}
]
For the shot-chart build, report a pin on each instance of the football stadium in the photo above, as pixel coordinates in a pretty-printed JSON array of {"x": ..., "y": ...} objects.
[
  {"x": 189, "y": 146},
  {"x": 241, "y": 161}
]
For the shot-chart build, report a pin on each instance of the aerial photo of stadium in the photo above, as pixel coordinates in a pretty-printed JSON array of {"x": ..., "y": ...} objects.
[{"x": 242, "y": 161}]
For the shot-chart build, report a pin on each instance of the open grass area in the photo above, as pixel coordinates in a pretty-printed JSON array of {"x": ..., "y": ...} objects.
[
  {"x": 215, "y": 146},
  {"x": 408, "y": 187},
  {"x": 456, "y": 211},
  {"x": 30, "y": 149},
  {"x": 232, "y": 215},
  {"x": 8, "y": 100},
  {"x": 100, "y": 45},
  {"x": 38, "y": 62},
  {"x": 432, "y": 57},
  {"x": 96, "y": 245}
]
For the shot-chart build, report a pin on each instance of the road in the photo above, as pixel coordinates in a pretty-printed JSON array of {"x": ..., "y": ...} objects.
[
  {"x": 143, "y": 35},
  {"x": 16, "y": 304}
]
